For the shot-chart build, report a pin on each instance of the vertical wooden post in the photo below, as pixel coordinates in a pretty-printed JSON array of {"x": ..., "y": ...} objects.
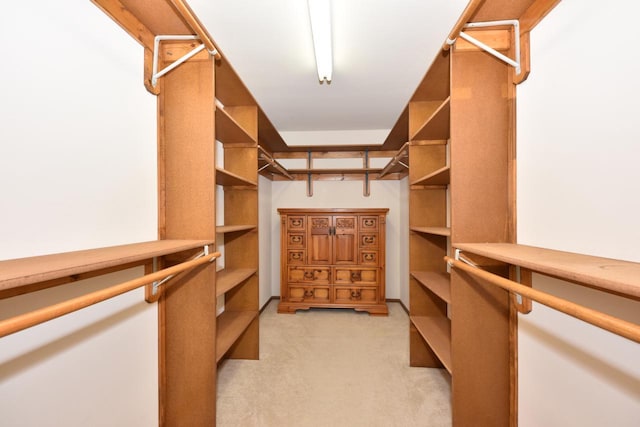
[{"x": 187, "y": 308}]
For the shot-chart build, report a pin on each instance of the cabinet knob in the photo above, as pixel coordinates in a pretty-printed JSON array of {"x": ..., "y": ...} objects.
[
  {"x": 355, "y": 294},
  {"x": 356, "y": 276},
  {"x": 368, "y": 239},
  {"x": 308, "y": 293},
  {"x": 369, "y": 222},
  {"x": 308, "y": 274},
  {"x": 296, "y": 256},
  {"x": 368, "y": 257}
]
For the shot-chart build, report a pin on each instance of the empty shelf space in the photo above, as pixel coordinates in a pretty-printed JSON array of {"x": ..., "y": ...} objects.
[
  {"x": 437, "y": 125},
  {"x": 436, "y": 282},
  {"x": 436, "y": 331},
  {"x": 609, "y": 275},
  {"x": 222, "y": 229},
  {"x": 231, "y": 324},
  {"x": 229, "y": 131},
  {"x": 438, "y": 231},
  {"x": 25, "y": 271},
  {"x": 229, "y": 278},
  {"x": 228, "y": 179},
  {"x": 439, "y": 177}
]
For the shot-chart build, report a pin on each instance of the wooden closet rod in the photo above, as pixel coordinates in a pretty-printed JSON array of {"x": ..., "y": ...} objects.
[
  {"x": 467, "y": 13},
  {"x": 27, "y": 320},
  {"x": 186, "y": 12},
  {"x": 609, "y": 323}
]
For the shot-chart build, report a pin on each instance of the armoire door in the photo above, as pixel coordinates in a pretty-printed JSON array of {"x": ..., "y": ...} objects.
[
  {"x": 345, "y": 239},
  {"x": 320, "y": 236}
]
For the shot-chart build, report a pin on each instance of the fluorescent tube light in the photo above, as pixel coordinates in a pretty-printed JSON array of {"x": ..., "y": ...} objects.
[{"x": 320, "y": 14}]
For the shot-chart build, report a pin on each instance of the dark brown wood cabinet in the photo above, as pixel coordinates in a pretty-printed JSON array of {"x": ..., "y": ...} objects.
[{"x": 333, "y": 258}]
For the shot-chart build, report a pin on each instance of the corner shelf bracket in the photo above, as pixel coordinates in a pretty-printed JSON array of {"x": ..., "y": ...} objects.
[
  {"x": 155, "y": 74},
  {"x": 507, "y": 22}
]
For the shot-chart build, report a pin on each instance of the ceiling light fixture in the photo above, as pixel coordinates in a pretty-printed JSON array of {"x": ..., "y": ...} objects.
[{"x": 320, "y": 14}]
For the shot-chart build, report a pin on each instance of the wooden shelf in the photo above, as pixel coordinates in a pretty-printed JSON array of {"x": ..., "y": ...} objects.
[
  {"x": 439, "y": 177},
  {"x": 436, "y": 127},
  {"x": 25, "y": 271},
  {"x": 438, "y": 231},
  {"x": 609, "y": 275},
  {"x": 231, "y": 325},
  {"x": 229, "y": 278},
  {"x": 229, "y": 179},
  {"x": 335, "y": 171},
  {"x": 229, "y": 131},
  {"x": 222, "y": 229},
  {"x": 436, "y": 282},
  {"x": 436, "y": 331}
]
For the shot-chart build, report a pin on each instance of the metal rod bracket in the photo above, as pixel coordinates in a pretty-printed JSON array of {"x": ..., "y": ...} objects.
[
  {"x": 155, "y": 74},
  {"x": 508, "y": 22}
]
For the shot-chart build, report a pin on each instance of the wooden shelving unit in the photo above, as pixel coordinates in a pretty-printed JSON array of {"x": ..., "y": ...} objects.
[
  {"x": 429, "y": 287},
  {"x": 238, "y": 325},
  {"x": 437, "y": 283},
  {"x": 56, "y": 269},
  {"x": 608, "y": 275},
  {"x": 436, "y": 331},
  {"x": 436, "y": 231},
  {"x": 231, "y": 327},
  {"x": 230, "y": 278}
]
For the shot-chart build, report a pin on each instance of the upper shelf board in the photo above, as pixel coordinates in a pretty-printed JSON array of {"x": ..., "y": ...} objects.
[
  {"x": 229, "y": 179},
  {"x": 25, "y": 271},
  {"x": 610, "y": 275}
]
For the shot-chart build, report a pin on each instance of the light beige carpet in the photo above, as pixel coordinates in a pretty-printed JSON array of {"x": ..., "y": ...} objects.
[{"x": 332, "y": 368}]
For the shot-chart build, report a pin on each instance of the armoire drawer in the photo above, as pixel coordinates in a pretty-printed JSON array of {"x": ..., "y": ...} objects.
[
  {"x": 355, "y": 295},
  {"x": 369, "y": 223},
  {"x": 368, "y": 257},
  {"x": 296, "y": 223},
  {"x": 318, "y": 294},
  {"x": 296, "y": 256},
  {"x": 309, "y": 274},
  {"x": 369, "y": 240},
  {"x": 296, "y": 240},
  {"x": 356, "y": 276}
]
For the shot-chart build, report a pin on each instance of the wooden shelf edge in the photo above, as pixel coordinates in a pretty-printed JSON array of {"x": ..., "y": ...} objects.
[
  {"x": 606, "y": 274},
  {"x": 436, "y": 331},
  {"x": 335, "y": 171},
  {"x": 229, "y": 278},
  {"x": 437, "y": 125},
  {"x": 229, "y": 179},
  {"x": 27, "y": 271},
  {"x": 439, "y": 177},
  {"x": 230, "y": 326},
  {"x": 222, "y": 229},
  {"x": 437, "y": 231},
  {"x": 436, "y": 282},
  {"x": 228, "y": 131}
]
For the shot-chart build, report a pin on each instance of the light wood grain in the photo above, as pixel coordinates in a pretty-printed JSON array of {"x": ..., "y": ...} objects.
[
  {"x": 222, "y": 229},
  {"x": 438, "y": 177},
  {"x": 229, "y": 278},
  {"x": 609, "y": 275},
  {"x": 436, "y": 126},
  {"x": 436, "y": 331},
  {"x": 229, "y": 179},
  {"x": 27, "y": 320},
  {"x": 229, "y": 131},
  {"x": 231, "y": 325},
  {"x": 609, "y": 323},
  {"x": 25, "y": 271},
  {"x": 438, "y": 231},
  {"x": 436, "y": 282}
]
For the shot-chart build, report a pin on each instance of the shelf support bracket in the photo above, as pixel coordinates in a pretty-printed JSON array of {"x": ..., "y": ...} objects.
[
  {"x": 366, "y": 191},
  {"x": 156, "y": 285},
  {"x": 309, "y": 177},
  {"x": 508, "y": 22},
  {"x": 155, "y": 74}
]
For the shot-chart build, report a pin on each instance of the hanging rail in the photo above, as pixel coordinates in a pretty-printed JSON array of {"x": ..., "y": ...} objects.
[
  {"x": 264, "y": 155},
  {"x": 27, "y": 320},
  {"x": 194, "y": 23},
  {"x": 468, "y": 12},
  {"x": 402, "y": 153},
  {"x": 609, "y": 323}
]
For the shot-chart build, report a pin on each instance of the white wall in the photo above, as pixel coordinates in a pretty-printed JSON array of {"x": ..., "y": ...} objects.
[
  {"x": 78, "y": 170},
  {"x": 578, "y": 187},
  {"x": 344, "y": 194}
]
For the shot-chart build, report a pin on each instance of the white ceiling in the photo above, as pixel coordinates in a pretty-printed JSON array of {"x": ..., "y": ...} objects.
[{"x": 381, "y": 51}]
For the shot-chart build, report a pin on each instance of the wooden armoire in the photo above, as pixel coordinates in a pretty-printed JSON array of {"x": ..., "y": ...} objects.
[{"x": 333, "y": 258}]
